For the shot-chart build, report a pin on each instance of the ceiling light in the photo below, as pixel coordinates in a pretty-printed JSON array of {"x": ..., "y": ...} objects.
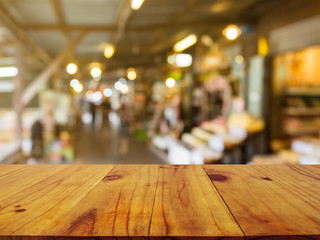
[
  {"x": 95, "y": 72},
  {"x": 78, "y": 88},
  {"x": 170, "y": 82},
  {"x": 171, "y": 59},
  {"x": 123, "y": 81},
  {"x": 124, "y": 88},
  {"x": 185, "y": 43},
  {"x": 207, "y": 40},
  {"x": 72, "y": 68},
  {"x": 231, "y": 32},
  {"x": 96, "y": 96},
  {"x": 131, "y": 74},
  {"x": 107, "y": 92},
  {"x": 8, "y": 71},
  {"x": 109, "y": 50},
  {"x": 74, "y": 82},
  {"x": 136, "y": 4},
  {"x": 183, "y": 60},
  {"x": 97, "y": 78},
  {"x": 118, "y": 85},
  {"x": 89, "y": 94},
  {"x": 239, "y": 59}
]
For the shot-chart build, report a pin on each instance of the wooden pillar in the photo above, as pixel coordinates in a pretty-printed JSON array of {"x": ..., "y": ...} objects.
[{"x": 17, "y": 94}]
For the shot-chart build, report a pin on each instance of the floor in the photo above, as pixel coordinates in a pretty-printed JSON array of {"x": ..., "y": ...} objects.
[{"x": 109, "y": 145}]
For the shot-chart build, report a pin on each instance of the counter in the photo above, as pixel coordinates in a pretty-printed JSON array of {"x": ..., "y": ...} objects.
[{"x": 159, "y": 202}]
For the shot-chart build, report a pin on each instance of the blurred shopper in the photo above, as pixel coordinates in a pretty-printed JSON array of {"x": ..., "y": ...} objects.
[
  {"x": 93, "y": 114},
  {"x": 37, "y": 140}
]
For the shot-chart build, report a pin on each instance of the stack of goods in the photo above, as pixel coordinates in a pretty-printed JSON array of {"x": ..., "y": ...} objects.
[
  {"x": 304, "y": 150},
  {"x": 180, "y": 152},
  {"x": 244, "y": 121},
  {"x": 308, "y": 149}
]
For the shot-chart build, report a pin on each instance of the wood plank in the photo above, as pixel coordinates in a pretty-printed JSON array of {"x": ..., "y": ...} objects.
[
  {"x": 118, "y": 207},
  {"x": 271, "y": 200},
  {"x": 188, "y": 206},
  {"x": 7, "y": 169},
  {"x": 37, "y": 206}
]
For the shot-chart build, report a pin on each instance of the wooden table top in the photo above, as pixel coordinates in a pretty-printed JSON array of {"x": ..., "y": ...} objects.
[{"x": 159, "y": 202}]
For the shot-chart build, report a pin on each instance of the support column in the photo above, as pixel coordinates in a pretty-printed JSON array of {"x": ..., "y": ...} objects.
[{"x": 17, "y": 94}]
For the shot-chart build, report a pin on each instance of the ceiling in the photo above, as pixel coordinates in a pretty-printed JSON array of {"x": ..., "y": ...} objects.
[{"x": 140, "y": 36}]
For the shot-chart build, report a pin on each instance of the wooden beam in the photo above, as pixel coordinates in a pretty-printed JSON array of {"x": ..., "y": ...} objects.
[
  {"x": 144, "y": 28},
  {"x": 22, "y": 35},
  {"x": 57, "y": 8},
  {"x": 154, "y": 42},
  {"x": 57, "y": 27},
  {"x": 121, "y": 22},
  {"x": 18, "y": 86},
  {"x": 45, "y": 75}
]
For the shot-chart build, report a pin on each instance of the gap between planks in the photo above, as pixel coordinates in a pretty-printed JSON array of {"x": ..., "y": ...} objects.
[
  {"x": 154, "y": 200},
  {"x": 225, "y": 203}
]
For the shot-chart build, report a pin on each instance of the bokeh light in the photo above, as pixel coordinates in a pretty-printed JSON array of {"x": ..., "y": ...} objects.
[
  {"x": 118, "y": 85},
  {"x": 95, "y": 72},
  {"x": 78, "y": 88},
  {"x": 170, "y": 82},
  {"x": 107, "y": 92},
  {"x": 131, "y": 74},
  {"x": 124, "y": 88},
  {"x": 72, "y": 68},
  {"x": 74, "y": 82}
]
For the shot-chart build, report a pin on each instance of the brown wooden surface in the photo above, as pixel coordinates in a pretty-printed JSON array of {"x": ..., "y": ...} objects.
[
  {"x": 159, "y": 202},
  {"x": 188, "y": 205},
  {"x": 271, "y": 200}
]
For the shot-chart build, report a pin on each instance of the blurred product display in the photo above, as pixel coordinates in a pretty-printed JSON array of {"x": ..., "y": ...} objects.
[{"x": 164, "y": 82}]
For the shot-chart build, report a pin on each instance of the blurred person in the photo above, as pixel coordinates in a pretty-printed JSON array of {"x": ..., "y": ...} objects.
[
  {"x": 93, "y": 113},
  {"x": 124, "y": 118},
  {"x": 37, "y": 140}
]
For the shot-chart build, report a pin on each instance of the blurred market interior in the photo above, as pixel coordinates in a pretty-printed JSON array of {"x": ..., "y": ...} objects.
[{"x": 160, "y": 81}]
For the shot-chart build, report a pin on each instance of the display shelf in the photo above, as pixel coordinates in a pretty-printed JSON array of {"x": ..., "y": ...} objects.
[
  {"x": 301, "y": 112},
  {"x": 302, "y": 131},
  {"x": 303, "y": 91}
]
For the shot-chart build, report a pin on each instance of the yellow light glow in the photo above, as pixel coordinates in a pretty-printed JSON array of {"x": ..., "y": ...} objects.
[
  {"x": 239, "y": 59},
  {"x": 231, "y": 32},
  {"x": 72, "y": 68},
  {"x": 185, "y": 43},
  {"x": 124, "y": 88},
  {"x": 170, "y": 82},
  {"x": 131, "y": 74},
  {"x": 109, "y": 50},
  {"x": 95, "y": 72},
  {"x": 74, "y": 82},
  {"x": 89, "y": 94},
  {"x": 78, "y": 88},
  {"x": 263, "y": 46},
  {"x": 136, "y": 4}
]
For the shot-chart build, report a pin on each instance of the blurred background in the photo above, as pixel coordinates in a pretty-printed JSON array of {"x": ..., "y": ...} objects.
[{"x": 160, "y": 81}]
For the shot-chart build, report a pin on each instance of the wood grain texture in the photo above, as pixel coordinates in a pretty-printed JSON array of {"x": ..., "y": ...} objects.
[
  {"x": 188, "y": 206},
  {"x": 119, "y": 206},
  {"x": 103, "y": 202},
  {"x": 43, "y": 194},
  {"x": 6, "y": 169},
  {"x": 271, "y": 201}
]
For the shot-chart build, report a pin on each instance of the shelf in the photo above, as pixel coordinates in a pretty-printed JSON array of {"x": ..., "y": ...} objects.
[
  {"x": 302, "y": 131},
  {"x": 303, "y": 112},
  {"x": 303, "y": 91}
]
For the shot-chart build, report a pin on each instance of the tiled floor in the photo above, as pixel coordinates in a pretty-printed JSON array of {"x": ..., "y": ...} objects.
[{"x": 111, "y": 146}]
